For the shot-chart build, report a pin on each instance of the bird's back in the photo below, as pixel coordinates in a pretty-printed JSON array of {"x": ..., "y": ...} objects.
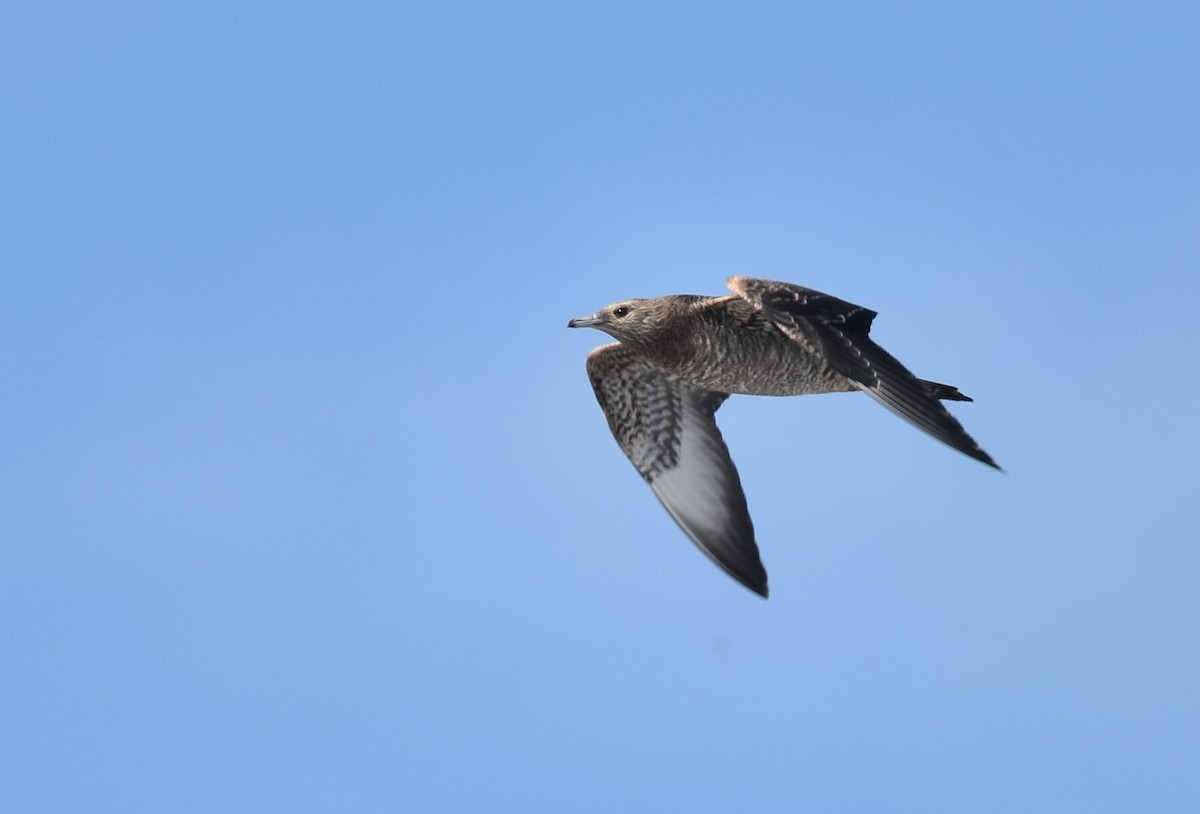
[{"x": 731, "y": 347}]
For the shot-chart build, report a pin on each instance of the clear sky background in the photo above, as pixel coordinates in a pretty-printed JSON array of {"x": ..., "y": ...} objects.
[{"x": 306, "y": 503}]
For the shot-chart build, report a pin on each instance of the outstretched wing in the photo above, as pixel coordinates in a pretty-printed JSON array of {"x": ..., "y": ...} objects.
[
  {"x": 838, "y": 332},
  {"x": 668, "y": 429}
]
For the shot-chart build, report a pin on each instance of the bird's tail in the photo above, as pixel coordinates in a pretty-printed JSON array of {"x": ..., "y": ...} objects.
[{"x": 947, "y": 392}]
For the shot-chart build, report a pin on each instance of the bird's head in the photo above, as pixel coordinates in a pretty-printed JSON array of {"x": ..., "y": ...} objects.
[{"x": 634, "y": 321}]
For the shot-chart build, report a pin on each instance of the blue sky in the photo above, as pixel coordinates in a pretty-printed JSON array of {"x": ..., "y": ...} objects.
[{"x": 308, "y": 506}]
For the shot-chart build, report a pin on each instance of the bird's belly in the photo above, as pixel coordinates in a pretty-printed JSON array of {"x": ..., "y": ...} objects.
[{"x": 770, "y": 371}]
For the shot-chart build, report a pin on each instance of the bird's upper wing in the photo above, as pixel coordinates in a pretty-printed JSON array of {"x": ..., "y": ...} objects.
[
  {"x": 838, "y": 332},
  {"x": 668, "y": 429}
]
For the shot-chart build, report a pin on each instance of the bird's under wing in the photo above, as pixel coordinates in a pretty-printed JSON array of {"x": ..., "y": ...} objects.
[
  {"x": 668, "y": 429},
  {"x": 838, "y": 332}
]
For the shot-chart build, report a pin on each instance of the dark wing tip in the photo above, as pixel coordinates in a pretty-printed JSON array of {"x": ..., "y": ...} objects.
[
  {"x": 750, "y": 574},
  {"x": 978, "y": 454},
  {"x": 987, "y": 459},
  {"x": 747, "y": 571},
  {"x": 756, "y": 582}
]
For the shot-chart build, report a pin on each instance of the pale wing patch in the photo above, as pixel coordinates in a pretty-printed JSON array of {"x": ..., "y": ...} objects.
[
  {"x": 668, "y": 430},
  {"x": 704, "y": 494}
]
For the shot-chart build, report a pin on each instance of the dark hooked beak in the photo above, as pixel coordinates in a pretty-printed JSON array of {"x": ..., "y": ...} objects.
[{"x": 584, "y": 322}]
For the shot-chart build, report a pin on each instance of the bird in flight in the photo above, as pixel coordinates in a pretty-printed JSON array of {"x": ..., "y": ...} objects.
[{"x": 677, "y": 359}]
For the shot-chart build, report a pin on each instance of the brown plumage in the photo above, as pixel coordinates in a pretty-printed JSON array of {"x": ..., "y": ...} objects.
[{"x": 679, "y": 357}]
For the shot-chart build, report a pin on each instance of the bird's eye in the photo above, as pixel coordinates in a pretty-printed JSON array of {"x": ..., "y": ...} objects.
[{"x": 620, "y": 311}]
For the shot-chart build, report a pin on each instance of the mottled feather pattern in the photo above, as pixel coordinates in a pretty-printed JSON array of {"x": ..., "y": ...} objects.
[
  {"x": 667, "y": 429},
  {"x": 679, "y": 357},
  {"x": 642, "y": 408}
]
